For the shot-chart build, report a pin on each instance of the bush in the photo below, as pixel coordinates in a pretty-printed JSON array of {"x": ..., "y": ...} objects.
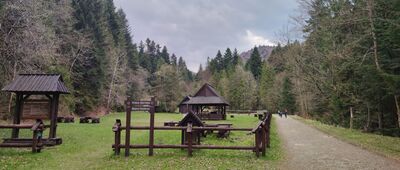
[{"x": 394, "y": 132}]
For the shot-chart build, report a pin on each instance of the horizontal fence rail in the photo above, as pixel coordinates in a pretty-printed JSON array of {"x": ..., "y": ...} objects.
[
  {"x": 35, "y": 142},
  {"x": 189, "y": 133}
]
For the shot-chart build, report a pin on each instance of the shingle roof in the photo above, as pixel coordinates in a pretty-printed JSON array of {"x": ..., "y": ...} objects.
[
  {"x": 204, "y": 100},
  {"x": 192, "y": 118},
  {"x": 185, "y": 99},
  {"x": 37, "y": 83},
  {"x": 206, "y": 95}
]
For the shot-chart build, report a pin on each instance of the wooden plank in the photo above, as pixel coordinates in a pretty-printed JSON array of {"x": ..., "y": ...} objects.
[
  {"x": 190, "y": 139},
  {"x": 259, "y": 124},
  {"x": 141, "y": 102},
  {"x": 185, "y": 127},
  {"x": 263, "y": 141},
  {"x": 151, "y": 136},
  {"x": 117, "y": 138},
  {"x": 15, "y": 145},
  {"x": 141, "y": 106},
  {"x": 155, "y": 146},
  {"x": 128, "y": 125},
  {"x": 140, "y": 109},
  {"x": 162, "y": 146},
  {"x": 19, "y": 126},
  {"x": 223, "y": 147},
  {"x": 257, "y": 143}
]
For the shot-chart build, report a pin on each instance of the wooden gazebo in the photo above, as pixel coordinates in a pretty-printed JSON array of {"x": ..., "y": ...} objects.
[
  {"x": 27, "y": 85},
  {"x": 206, "y": 97}
]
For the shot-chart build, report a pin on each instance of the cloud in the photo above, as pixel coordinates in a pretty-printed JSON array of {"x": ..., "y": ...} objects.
[
  {"x": 197, "y": 29},
  {"x": 256, "y": 40}
]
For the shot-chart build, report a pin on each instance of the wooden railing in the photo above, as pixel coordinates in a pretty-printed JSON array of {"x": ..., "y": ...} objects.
[
  {"x": 35, "y": 143},
  {"x": 261, "y": 132}
]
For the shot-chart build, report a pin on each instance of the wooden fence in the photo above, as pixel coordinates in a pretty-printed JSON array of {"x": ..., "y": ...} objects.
[
  {"x": 261, "y": 133},
  {"x": 36, "y": 142}
]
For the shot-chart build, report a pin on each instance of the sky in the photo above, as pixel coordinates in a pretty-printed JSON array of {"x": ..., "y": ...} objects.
[{"x": 197, "y": 29}]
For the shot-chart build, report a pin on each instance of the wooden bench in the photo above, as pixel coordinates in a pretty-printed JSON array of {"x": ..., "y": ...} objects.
[
  {"x": 87, "y": 119},
  {"x": 171, "y": 123},
  {"x": 69, "y": 120},
  {"x": 224, "y": 133},
  {"x": 220, "y": 133},
  {"x": 36, "y": 142},
  {"x": 60, "y": 119}
]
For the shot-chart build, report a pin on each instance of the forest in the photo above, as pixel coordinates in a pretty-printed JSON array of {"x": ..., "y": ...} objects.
[{"x": 345, "y": 70}]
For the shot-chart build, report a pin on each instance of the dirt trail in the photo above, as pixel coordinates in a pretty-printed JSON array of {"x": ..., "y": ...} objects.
[{"x": 308, "y": 148}]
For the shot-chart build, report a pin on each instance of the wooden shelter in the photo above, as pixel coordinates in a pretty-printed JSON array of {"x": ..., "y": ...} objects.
[
  {"x": 195, "y": 121},
  {"x": 185, "y": 108},
  {"x": 26, "y": 85},
  {"x": 206, "y": 98}
]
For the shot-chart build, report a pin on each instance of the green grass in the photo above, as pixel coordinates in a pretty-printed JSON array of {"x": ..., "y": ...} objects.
[
  {"x": 88, "y": 146},
  {"x": 384, "y": 145}
]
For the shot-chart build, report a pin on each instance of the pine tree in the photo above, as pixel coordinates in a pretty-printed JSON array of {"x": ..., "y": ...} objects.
[
  {"x": 265, "y": 85},
  {"x": 165, "y": 55},
  {"x": 254, "y": 64},
  {"x": 227, "y": 60},
  {"x": 174, "y": 60},
  {"x": 287, "y": 97},
  {"x": 235, "y": 58}
]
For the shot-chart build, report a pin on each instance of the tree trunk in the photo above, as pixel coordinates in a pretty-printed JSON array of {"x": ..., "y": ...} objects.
[
  {"x": 351, "y": 117},
  {"x": 380, "y": 121},
  {"x": 12, "y": 94},
  {"x": 396, "y": 100},
  {"x": 368, "y": 124},
  {"x": 370, "y": 5},
  {"x": 112, "y": 82}
]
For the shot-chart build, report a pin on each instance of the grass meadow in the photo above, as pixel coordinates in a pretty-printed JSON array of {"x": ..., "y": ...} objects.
[{"x": 88, "y": 146}]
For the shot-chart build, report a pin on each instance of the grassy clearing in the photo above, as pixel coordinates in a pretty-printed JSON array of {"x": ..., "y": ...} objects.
[
  {"x": 88, "y": 146},
  {"x": 385, "y": 145}
]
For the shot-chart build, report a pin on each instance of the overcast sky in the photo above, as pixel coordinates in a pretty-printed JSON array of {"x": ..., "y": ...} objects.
[{"x": 197, "y": 29}]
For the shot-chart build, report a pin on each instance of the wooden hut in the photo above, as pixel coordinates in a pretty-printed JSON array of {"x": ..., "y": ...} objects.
[
  {"x": 195, "y": 121},
  {"x": 207, "y": 104},
  {"x": 31, "y": 90},
  {"x": 185, "y": 108}
]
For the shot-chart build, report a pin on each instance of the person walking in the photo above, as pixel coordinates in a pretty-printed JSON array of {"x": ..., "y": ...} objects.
[
  {"x": 285, "y": 113},
  {"x": 280, "y": 113}
]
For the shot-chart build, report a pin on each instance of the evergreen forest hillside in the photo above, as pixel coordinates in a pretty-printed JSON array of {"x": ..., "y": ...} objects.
[{"x": 345, "y": 71}]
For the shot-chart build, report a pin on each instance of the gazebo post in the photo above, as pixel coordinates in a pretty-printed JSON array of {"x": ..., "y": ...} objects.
[
  {"x": 17, "y": 114},
  {"x": 223, "y": 112},
  {"x": 53, "y": 116}
]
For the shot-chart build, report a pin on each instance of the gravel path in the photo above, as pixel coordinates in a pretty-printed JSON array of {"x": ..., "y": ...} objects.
[{"x": 308, "y": 148}]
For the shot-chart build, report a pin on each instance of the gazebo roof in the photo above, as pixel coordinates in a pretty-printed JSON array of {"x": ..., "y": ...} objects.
[
  {"x": 204, "y": 100},
  {"x": 206, "y": 95},
  {"x": 37, "y": 83},
  {"x": 192, "y": 118}
]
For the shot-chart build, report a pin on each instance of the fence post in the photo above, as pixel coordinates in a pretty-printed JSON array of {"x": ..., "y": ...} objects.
[
  {"x": 128, "y": 106},
  {"x": 182, "y": 138},
  {"x": 34, "y": 141},
  {"x": 263, "y": 139},
  {"x": 257, "y": 143},
  {"x": 117, "y": 131},
  {"x": 190, "y": 140},
  {"x": 151, "y": 137},
  {"x": 269, "y": 129}
]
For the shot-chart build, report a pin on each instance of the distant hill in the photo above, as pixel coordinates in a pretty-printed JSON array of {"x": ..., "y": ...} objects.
[{"x": 265, "y": 52}]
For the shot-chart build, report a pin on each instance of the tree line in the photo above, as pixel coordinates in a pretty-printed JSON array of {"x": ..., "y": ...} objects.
[
  {"x": 346, "y": 72},
  {"x": 91, "y": 45}
]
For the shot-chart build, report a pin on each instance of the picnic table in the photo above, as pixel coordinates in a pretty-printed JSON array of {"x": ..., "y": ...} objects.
[
  {"x": 170, "y": 123},
  {"x": 221, "y": 133}
]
